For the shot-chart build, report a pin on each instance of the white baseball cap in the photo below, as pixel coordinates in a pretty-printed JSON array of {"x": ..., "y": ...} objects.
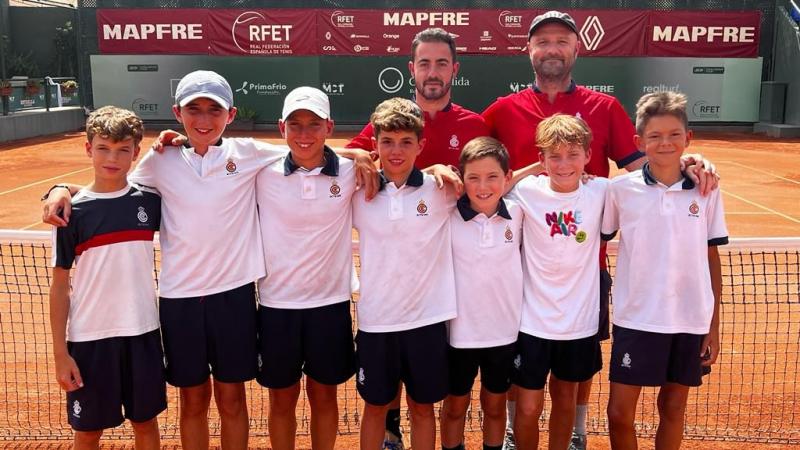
[
  {"x": 204, "y": 84},
  {"x": 308, "y": 98}
]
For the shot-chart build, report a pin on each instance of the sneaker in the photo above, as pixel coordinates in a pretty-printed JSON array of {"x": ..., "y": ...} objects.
[
  {"x": 392, "y": 442},
  {"x": 508, "y": 441},
  {"x": 578, "y": 442}
]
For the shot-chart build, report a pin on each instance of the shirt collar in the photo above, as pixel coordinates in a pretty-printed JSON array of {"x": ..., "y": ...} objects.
[
  {"x": 331, "y": 167},
  {"x": 570, "y": 89},
  {"x": 188, "y": 146},
  {"x": 415, "y": 179},
  {"x": 467, "y": 213},
  {"x": 650, "y": 180}
]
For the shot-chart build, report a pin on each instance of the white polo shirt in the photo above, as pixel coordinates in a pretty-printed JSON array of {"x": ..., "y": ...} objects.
[
  {"x": 488, "y": 272},
  {"x": 562, "y": 272},
  {"x": 406, "y": 258},
  {"x": 210, "y": 241},
  {"x": 662, "y": 282},
  {"x": 306, "y": 227}
]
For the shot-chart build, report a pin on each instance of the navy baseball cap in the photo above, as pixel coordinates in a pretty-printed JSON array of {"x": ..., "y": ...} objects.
[
  {"x": 553, "y": 17},
  {"x": 204, "y": 84}
]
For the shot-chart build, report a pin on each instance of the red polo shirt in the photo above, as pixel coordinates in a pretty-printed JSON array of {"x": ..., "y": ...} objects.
[
  {"x": 445, "y": 135},
  {"x": 513, "y": 119}
]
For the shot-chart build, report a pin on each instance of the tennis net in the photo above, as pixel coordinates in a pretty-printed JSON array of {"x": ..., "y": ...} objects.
[{"x": 751, "y": 395}]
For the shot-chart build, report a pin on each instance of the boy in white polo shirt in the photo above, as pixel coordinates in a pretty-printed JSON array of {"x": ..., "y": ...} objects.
[
  {"x": 407, "y": 284},
  {"x": 560, "y": 311},
  {"x": 487, "y": 232},
  {"x": 211, "y": 254},
  {"x": 666, "y": 301},
  {"x": 304, "y": 314}
]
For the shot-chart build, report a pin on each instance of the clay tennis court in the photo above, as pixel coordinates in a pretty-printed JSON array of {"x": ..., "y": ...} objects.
[{"x": 760, "y": 185}]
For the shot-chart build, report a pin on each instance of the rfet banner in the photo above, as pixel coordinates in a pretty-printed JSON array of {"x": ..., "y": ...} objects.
[{"x": 370, "y": 32}]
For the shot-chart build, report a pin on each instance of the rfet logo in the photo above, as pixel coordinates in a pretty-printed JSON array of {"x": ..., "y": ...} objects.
[
  {"x": 509, "y": 20},
  {"x": 341, "y": 20},
  {"x": 251, "y": 29}
]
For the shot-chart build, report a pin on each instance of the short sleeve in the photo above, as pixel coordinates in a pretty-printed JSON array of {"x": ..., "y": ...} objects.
[
  {"x": 363, "y": 140},
  {"x": 715, "y": 218},
  {"x": 610, "y": 215},
  {"x": 489, "y": 116},
  {"x": 64, "y": 243},
  {"x": 267, "y": 153},
  {"x": 145, "y": 173},
  {"x": 621, "y": 149}
]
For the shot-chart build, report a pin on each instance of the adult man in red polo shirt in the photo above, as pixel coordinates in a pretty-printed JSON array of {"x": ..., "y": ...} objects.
[
  {"x": 448, "y": 127},
  {"x": 553, "y": 48}
]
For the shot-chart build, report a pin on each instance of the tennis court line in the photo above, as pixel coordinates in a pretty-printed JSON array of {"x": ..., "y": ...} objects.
[
  {"x": 751, "y": 213},
  {"x": 758, "y": 205},
  {"x": 58, "y": 177},
  {"x": 36, "y": 224},
  {"x": 761, "y": 171}
]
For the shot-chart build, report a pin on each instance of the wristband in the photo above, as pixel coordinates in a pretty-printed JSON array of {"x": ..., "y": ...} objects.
[{"x": 46, "y": 195}]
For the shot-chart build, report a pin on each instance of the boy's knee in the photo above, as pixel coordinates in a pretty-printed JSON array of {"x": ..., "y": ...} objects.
[
  {"x": 88, "y": 438},
  {"x": 421, "y": 410},
  {"x": 495, "y": 413},
  {"x": 619, "y": 416},
  {"x": 671, "y": 408},
  {"x": 529, "y": 409},
  {"x": 148, "y": 426},
  {"x": 375, "y": 410}
]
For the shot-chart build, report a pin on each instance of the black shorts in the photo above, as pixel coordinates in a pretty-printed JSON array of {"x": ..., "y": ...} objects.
[
  {"x": 572, "y": 360},
  {"x": 314, "y": 341},
  {"x": 210, "y": 334},
  {"x": 495, "y": 363},
  {"x": 643, "y": 358},
  {"x": 603, "y": 333},
  {"x": 417, "y": 357},
  {"x": 118, "y": 372}
]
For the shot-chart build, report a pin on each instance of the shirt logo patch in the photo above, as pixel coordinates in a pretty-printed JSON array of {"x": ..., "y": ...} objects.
[
  {"x": 422, "y": 208},
  {"x": 454, "y": 142},
  {"x": 76, "y": 409},
  {"x": 509, "y": 235},
  {"x": 336, "y": 191},
  {"x": 231, "y": 166},
  {"x": 361, "y": 377},
  {"x": 580, "y": 237},
  {"x": 626, "y": 361},
  {"x": 518, "y": 361},
  {"x": 564, "y": 223},
  {"x": 141, "y": 215},
  {"x": 694, "y": 209}
]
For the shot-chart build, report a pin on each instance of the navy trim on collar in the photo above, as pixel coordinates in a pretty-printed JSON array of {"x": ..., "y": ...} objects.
[
  {"x": 467, "y": 213},
  {"x": 331, "y": 167},
  {"x": 415, "y": 179},
  {"x": 570, "y": 89},
  {"x": 188, "y": 145},
  {"x": 650, "y": 180}
]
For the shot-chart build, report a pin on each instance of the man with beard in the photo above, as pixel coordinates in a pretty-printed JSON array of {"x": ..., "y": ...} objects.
[
  {"x": 553, "y": 48},
  {"x": 448, "y": 127}
]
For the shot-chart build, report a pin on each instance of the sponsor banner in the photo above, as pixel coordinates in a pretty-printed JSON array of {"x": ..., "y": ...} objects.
[
  {"x": 718, "y": 89},
  {"x": 152, "y": 31},
  {"x": 720, "y": 34},
  {"x": 371, "y": 32},
  {"x": 262, "y": 32}
]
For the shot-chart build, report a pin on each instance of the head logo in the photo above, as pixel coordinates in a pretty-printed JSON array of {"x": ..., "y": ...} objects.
[
  {"x": 509, "y": 20},
  {"x": 341, "y": 20},
  {"x": 422, "y": 208},
  {"x": 694, "y": 208},
  {"x": 267, "y": 36},
  {"x": 243, "y": 89},
  {"x": 390, "y": 80},
  {"x": 592, "y": 33},
  {"x": 231, "y": 166},
  {"x": 509, "y": 234},
  {"x": 141, "y": 215}
]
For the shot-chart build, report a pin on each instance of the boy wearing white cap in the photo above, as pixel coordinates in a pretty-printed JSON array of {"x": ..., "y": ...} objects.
[{"x": 304, "y": 313}]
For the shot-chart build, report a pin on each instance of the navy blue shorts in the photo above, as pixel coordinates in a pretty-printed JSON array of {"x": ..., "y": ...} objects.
[
  {"x": 315, "y": 341},
  {"x": 643, "y": 358},
  {"x": 117, "y": 372},
  {"x": 213, "y": 334},
  {"x": 571, "y": 360},
  {"x": 417, "y": 357},
  {"x": 495, "y": 363}
]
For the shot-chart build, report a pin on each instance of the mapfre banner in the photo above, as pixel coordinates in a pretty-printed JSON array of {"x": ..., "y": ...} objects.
[{"x": 371, "y": 32}]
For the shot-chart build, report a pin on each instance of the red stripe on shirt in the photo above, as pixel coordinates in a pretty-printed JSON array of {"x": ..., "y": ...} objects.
[{"x": 114, "y": 238}]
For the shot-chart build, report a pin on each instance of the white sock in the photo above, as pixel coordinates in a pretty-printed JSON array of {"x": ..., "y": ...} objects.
[
  {"x": 511, "y": 408},
  {"x": 580, "y": 419}
]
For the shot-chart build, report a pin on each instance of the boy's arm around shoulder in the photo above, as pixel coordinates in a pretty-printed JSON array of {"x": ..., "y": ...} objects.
[
  {"x": 610, "y": 224},
  {"x": 67, "y": 373}
]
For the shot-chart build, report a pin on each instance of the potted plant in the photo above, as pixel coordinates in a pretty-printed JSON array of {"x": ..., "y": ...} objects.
[
  {"x": 32, "y": 87},
  {"x": 5, "y": 88},
  {"x": 245, "y": 119},
  {"x": 69, "y": 87}
]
